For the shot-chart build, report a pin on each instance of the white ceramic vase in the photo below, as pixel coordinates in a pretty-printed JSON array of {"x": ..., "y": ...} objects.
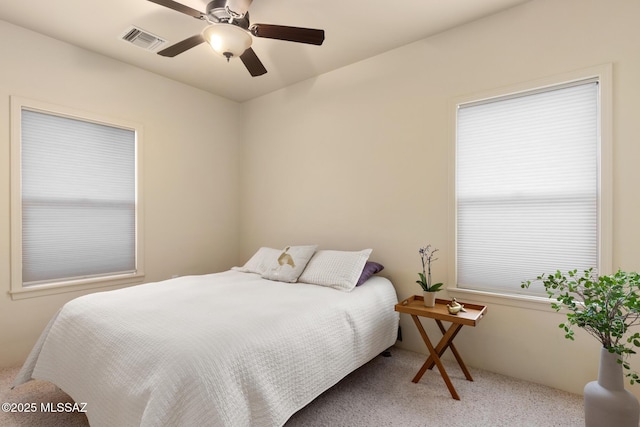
[
  {"x": 429, "y": 298},
  {"x": 606, "y": 402}
]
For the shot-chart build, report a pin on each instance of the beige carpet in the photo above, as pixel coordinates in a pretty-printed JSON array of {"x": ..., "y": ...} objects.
[{"x": 378, "y": 394}]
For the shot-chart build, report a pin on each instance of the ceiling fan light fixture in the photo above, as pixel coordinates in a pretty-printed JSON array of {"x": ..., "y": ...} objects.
[{"x": 227, "y": 40}]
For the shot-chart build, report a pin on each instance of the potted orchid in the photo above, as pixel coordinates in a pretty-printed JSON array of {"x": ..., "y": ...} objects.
[{"x": 429, "y": 289}]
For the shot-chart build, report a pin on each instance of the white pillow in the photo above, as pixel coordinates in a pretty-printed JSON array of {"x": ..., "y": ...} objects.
[
  {"x": 335, "y": 269},
  {"x": 289, "y": 263},
  {"x": 259, "y": 262}
]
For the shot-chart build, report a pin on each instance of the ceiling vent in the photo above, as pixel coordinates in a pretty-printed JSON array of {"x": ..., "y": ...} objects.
[{"x": 142, "y": 38}]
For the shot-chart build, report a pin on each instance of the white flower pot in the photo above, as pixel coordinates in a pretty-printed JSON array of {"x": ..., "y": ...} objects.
[
  {"x": 606, "y": 402},
  {"x": 429, "y": 298}
]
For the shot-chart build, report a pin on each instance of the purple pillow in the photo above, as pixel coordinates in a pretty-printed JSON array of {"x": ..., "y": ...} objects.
[{"x": 370, "y": 268}]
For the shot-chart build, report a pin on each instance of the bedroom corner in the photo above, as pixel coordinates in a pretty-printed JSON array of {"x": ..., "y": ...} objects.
[{"x": 354, "y": 158}]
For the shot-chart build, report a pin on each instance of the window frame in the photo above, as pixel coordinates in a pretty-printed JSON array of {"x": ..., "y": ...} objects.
[
  {"x": 18, "y": 291},
  {"x": 603, "y": 74}
]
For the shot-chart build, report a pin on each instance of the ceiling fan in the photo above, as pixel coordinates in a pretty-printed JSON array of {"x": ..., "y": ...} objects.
[{"x": 230, "y": 34}]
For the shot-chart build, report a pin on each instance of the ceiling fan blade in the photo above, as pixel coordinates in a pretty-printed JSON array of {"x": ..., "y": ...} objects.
[
  {"x": 292, "y": 34},
  {"x": 180, "y": 8},
  {"x": 182, "y": 46},
  {"x": 253, "y": 64}
]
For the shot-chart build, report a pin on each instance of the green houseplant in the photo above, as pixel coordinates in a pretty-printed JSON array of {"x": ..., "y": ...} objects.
[
  {"x": 428, "y": 287},
  {"x": 607, "y": 307}
]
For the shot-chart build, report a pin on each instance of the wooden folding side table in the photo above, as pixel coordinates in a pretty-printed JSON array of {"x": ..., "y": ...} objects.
[{"x": 414, "y": 306}]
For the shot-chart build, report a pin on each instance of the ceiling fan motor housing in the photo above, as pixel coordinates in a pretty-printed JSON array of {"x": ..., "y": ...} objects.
[{"x": 229, "y": 11}]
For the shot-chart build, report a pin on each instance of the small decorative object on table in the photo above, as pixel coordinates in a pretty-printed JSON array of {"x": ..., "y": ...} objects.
[
  {"x": 455, "y": 307},
  {"x": 607, "y": 307},
  {"x": 429, "y": 289}
]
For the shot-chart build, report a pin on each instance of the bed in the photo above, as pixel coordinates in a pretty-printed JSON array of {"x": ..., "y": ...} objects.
[{"x": 224, "y": 349}]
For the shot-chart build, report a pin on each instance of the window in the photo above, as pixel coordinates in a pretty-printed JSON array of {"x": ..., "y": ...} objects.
[
  {"x": 530, "y": 193},
  {"x": 75, "y": 216}
]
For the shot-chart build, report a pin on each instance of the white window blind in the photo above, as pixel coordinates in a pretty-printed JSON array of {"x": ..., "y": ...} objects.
[
  {"x": 78, "y": 198},
  {"x": 527, "y": 186}
]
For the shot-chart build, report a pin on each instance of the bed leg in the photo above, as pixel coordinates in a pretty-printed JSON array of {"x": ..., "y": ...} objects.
[{"x": 386, "y": 353}]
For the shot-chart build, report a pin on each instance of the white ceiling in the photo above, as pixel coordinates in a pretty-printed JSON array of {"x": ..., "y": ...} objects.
[{"x": 354, "y": 30}]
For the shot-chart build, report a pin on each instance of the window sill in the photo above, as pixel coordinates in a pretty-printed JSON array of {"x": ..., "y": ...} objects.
[
  {"x": 74, "y": 286},
  {"x": 530, "y": 302}
]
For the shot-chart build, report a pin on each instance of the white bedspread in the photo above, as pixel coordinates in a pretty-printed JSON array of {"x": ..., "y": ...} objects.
[{"x": 225, "y": 349}]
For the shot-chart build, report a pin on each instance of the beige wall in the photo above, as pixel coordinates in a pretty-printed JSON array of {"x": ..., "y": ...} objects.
[
  {"x": 190, "y": 164},
  {"x": 358, "y": 158}
]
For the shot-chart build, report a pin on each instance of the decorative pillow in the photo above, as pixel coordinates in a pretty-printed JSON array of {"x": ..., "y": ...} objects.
[
  {"x": 370, "y": 268},
  {"x": 259, "y": 262},
  {"x": 289, "y": 263},
  {"x": 335, "y": 269}
]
